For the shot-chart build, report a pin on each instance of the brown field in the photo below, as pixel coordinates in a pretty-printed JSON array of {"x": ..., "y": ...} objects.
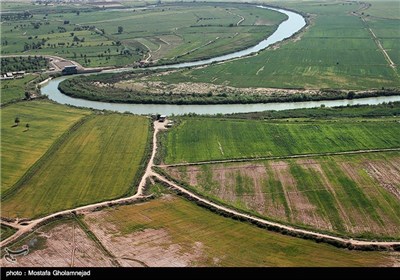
[
  {"x": 356, "y": 195},
  {"x": 61, "y": 245},
  {"x": 172, "y": 231}
]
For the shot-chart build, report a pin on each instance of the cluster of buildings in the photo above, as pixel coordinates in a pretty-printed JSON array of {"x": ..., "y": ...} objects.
[{"x": 12, "y": 75}]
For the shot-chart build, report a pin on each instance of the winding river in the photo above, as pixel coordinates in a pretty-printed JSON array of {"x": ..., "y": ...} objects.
[{"x": 294, "y": 23}]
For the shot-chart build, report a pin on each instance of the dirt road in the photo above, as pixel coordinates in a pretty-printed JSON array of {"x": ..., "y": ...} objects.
[{"x": 27, "y": 226}]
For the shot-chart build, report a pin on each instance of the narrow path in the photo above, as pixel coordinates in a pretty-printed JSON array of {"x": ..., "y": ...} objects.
[
  {"x": 360, "y": 13},
  {"x": 149, "y": 53},
  {"x": 379, "y": 45},
  {"x": 280, "y": 157},
  {"x": 27, "y": 226},
  {"x": 240, "y": 20},
  {"x": 274, "y": 224}
]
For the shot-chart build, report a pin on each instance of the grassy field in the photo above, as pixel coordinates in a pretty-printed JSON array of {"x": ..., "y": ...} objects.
[
  {"x": 14, "y": 89},
  {"x": 205, "y": 139},
  {"x": 384, "y": 9},
  {"x": 91, "y": 36},
  {"x": 349, "y": 195},
  {"x": 336, "y": 51},
  {"x": 21, "y": 148},
  {"x": 6, "y": 232},
  {"x": 98, "y": 161},
  {"x": 171, "y": 231}
]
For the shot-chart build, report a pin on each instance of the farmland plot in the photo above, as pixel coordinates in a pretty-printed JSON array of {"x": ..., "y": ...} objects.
[
  {"x": 99, "y": 161},
  {"x": 171, "y": 231},
  {"x": 60, "y": 244},
  {"x": 355, "y": 195},
  {"x": 205, "y": 139},
  {"x": 20, "y": 147}
]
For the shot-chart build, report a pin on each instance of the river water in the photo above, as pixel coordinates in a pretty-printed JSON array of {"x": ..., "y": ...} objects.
[{"x": 294, "y": 23}]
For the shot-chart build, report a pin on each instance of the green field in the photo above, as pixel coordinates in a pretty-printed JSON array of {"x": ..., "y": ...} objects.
[
  {"x": 205, "y": 139},
  {"x": 14, "y": 89},
  {"x": 336, "y": 51},
  {"x": 352, "y": 195},
  {"x": 384, "y": 9},
  {"x": 92, "y": 38},
  {"x": 100, "y": 160},
  {"x": 6, "y": 232},
  {"x": 21, "y": 148},
  {"x": 172, "y": 230}
]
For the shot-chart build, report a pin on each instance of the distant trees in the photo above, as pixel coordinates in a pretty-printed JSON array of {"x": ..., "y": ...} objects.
[
  {"x": 28, "y": 64},
  {"x": 120, "y": 29}
]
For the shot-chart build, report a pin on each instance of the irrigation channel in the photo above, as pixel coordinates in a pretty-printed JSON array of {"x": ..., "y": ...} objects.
[{"x": 286, "y": 29}]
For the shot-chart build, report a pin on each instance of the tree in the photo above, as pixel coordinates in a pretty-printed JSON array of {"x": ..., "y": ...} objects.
[
  {"x": 120, "y": 29},
  {"x": 351, "y": 94},
  {"x": 27, "y": 126},
  {"x": 17, "y": 121},
  {"x": 77, "y": 13}
]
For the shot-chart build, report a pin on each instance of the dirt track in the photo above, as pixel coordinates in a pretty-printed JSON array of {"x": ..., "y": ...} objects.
[{"x": 27, "y": 226}]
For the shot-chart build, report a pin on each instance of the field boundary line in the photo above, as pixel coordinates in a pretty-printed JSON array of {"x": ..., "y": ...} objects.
[
  {"x": 27, "y": 225},
  {"x": 354, "y": 152},
  {"x": 90, "y": 234}
]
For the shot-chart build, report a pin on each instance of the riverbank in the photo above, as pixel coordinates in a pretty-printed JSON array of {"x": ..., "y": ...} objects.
[{"x": 138, "y": 89}]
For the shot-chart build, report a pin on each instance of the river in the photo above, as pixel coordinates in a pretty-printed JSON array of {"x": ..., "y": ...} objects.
[{"x": 294, "y": 23}]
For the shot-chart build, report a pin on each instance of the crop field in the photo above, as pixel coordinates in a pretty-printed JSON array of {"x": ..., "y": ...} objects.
[
  {"x": 355, "y": 195},
  {"x": 388, "y": 33},
  {"x": 92, "y": 36},
  {"x": 61, "y": 243},
  {"x": 171, "y": 231},
  {"x": 20, "y": 147},
  {"x": 14, "y": 89},
  {"x": 204, "y": 139},
  {"x": 336, "y": 51},
  {"x": 6, "y": 232},
  {"x": 98, "y": 161},
  {"x": 384, "y": 9}
]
